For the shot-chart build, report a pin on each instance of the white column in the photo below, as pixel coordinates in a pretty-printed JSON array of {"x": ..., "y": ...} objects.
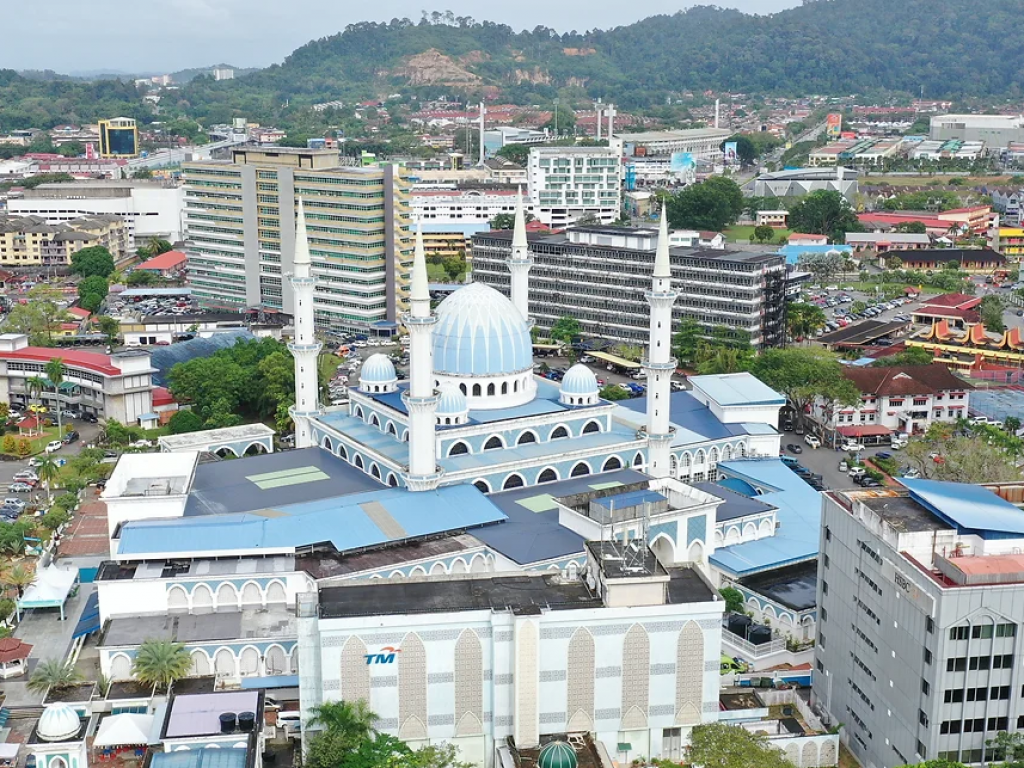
[
  {"x": 659, "y": 363},
  {"x": 520, "y": 262},
  {"x": 305, "y": 348},
  {"x": 421, "y": 397}
]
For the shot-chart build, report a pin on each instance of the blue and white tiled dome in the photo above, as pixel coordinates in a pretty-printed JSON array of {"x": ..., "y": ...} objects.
[
  {"x": 452, "y": 406},
  {"x": 58, "y": 723},
  {"x": 579, "y": 386},
  {"x": 378, "y": 374},
  {"x": 479, "y": 332}
]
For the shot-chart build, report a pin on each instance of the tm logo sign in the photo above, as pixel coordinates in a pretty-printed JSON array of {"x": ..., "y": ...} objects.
[{"x": 386, "y": 656}]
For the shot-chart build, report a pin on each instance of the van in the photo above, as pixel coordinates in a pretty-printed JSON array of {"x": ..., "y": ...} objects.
[{"x": 54, "y": 445}]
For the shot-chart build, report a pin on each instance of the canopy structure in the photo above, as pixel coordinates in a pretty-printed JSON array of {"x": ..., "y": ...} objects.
[
  {"x": 124, "y": 730},
  {"x": 50, "y": 590},
  {"x": 615, "y": 360},
  {"x": 9, "y": 752}
]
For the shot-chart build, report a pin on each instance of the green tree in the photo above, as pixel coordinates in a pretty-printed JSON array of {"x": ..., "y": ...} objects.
[
  {"x": 92, "y": 261},
  {"x": 141, "y": 277},
  {"x": 18, "y": 578},
  {"x": 566, "y": 121},
  {"x": 746, "y": 152},
  {"x": 155, "y": 246},
  {"x": 353, "y": 721},
  {"x": 893, "y": 263},
  {"x": 55, "y": 518},
  {"x": 803, "y": 320},
  {"x": 184, "y": 421},
  {"x": 1011, "y": 745},
  {"x": 804, "y": 374},
  {"x": 716, "y": 359},
  {"x": 12, "y": 538},
  {"x": 1011, "y": 424},
  {"x": 858, "y": 306},
  {"x": 825, "y": 266},
  {"x": 160, "y": 663},
  {"x": 54, "y": 369},
  {"x": 711, "y": 205},
  {"x": 565, "y": 329},
  {"x": 92, "y": 291},
  {"x": 824, "y": 212},
  {"x": 39, "y": 315},
  {"x": 985, "y": 455},
  {"x": 54, "y": 674},
  {"x": 24, "y": 447},
  {"x": 9, "y": 445},
  {"x": 687, "y": 340},
  {"x": 911, "y": 227},
  {"x": 733, "y": 599},
  {"x": 991, "y": 311},
  {"x": 717, "y": 745},
  {"x": 613, "y": 392},
  {"x": 71, "y": 149},
  {"x": 117, "y": 433},
  {"x": 48, "y": 471},
  {"x": 109, "y": 327},
  {"x": 908, "y": 356},
  {"x": 764, "y": 234},
  {"x": 515, "y": 153}
]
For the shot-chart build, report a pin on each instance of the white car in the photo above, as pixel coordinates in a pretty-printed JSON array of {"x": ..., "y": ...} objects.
[
  {"x": 812, "y": 441},
  {"x": 54, "y": 445},
  {"x": 856, "y": 472},
  {"x": 979, "y": 420},
  {"x": 853, "y": 447}
]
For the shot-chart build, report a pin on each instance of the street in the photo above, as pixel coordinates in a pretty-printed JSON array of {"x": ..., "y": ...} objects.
[
  {"x": 824, "y": 461},
  {"x": 87, "y": 434}
]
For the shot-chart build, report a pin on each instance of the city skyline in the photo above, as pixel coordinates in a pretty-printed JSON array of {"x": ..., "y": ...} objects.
[{"x": 258, "y": 33}]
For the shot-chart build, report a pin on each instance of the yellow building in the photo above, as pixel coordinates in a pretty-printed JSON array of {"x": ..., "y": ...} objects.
[
  {"x": 119, "y": 137},
  {"x": 1009, "y": 241},
  {"x": 28, "y": 241}
]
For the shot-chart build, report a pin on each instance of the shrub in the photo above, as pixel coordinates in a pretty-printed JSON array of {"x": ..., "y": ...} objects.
[
  {"x": 9, "y": 444},
  {"x": 24, "y": 447}
]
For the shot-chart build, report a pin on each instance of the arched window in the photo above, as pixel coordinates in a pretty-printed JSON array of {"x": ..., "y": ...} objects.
[
  {"x": 515, "y": 385},
  {"x": 375, "y": 471},
  {"x": 342, "y": 453},
  {"x": 686, "y": 460},
  {"x": 547, "y": 476},
  {"x": 463, "y": 388},
  {"x": 638, "y": 460},
  {"x": 374, "y": 421},
  {"x": 490, "y": 390},
  {"x": 482, "y": 486},
  {"x": 592, "y": 426},
  {"x": 359, "y": 412},
  {"x": 526, "y": 437},
  {"x": 477, "y": 391},
  {"x": 504, "y": 387},
  {"x": 493, "y": 442},
  {"x": 612, "y": 463},
  {"x": 359, "y": 461},
  {"x": 392, "y": 480},
  {"x": 391, "y": 429},
  {"x": 559, "y": 432},
  {"x": 447, "y": 419},
  {"x": 458, "y": 449},
  {"x": 579, "y": 470},
  {"x": 512, "y": 481}
]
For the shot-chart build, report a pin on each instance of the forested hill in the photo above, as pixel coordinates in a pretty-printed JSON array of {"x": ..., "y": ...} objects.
[{"x": 948, "y": 48}]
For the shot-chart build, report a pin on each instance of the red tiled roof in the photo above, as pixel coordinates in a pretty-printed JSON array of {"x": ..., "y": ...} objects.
[
  {"x": 162, "y": 396},
  {"x": 967, "y": 315},
  {"x": 168, "y": 260},
  {"x": 892, "y": 219},
  {"x": 958, "y": 300},
  {"x": 971, "y": 209},
  {"x": 13, "y": 649},
  {"x": 29, "y": 422},
  {"x": 79, "y": 312},
  {"x": 88, "y": 360},
  {"x": 905, "y": 380}
]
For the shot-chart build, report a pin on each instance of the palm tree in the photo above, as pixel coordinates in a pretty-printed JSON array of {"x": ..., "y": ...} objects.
[
  {"x": 54, "y": 675},
  {"x": 48, "y": 471},
  {"x": 19, "y": 578},
  {"x": 35, "y": 386},
  {"x": 55, "y": 373},
  {"x": 161, "y": 662},
  {"x": 352, "y": 721}
]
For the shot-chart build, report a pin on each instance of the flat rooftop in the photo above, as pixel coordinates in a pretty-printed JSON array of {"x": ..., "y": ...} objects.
[
  {"x": 198, "y": 714},
  {"x": 737, "y": 389},
  {"x": 900, "y": 511},
  {"x": 794, "y": 586},
  {"x": 863, "y": 332},
  {"x": 625, "y": 560},
  {"x": 204, "y": 757},
  {"x": 198, "y": 441},
  {"x": 255, "y": 624}
]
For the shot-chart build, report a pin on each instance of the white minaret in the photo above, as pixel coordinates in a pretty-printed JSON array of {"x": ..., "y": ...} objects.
[
  {"x": 520, "y": 261},
  {"x": 305, "y": 348},
  {"x": 660, "y": 363},
  {"x": 421, "y": 397}
]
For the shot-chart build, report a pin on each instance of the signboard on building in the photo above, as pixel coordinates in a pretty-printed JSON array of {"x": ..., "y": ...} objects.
[
  {"x": 907, "y": 588},
  {"x": 833, "y": 126},
  {"x": 731, "y": 155},
  {"x": 681, "y": 162}
]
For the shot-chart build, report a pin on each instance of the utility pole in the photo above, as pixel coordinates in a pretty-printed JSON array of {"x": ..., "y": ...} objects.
[{"x": 556, "y": 118}]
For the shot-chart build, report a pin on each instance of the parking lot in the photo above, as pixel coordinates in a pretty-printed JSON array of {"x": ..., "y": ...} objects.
[{"x": 825, "y": 460}]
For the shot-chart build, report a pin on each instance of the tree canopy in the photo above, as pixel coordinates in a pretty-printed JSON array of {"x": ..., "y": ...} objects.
[
  {"x": 711, "y": 205},
  {"x": 717, "y": 745},
  {"x": 92, "y": 261},
  {"x": 966, "y": 453},
  {"x": 803, "y": 374},
  {"x": 824, "y": 212}
]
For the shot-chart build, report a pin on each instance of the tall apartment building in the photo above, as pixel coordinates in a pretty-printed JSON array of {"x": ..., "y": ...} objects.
[
  {"x": 29, "y": 241},
  {"x": 919, "y": 610},
  {"x": 599, "y": 275},
  {"x": 567, "y": 183},
  {"x": 240, "y": 224}
]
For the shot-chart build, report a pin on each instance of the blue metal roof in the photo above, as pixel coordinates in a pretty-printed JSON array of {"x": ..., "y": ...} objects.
[
  {"x": 204, "y": 757},
  {"x": 739, "y": 498},
  {"x": 695, "y": 423},
  {"x": 798, "y": 513},
  {"x": 89, "y": 621},
  {"x": 348, "y": 523},
  {"x": 737, "y": 389},
  {"x": 792, "y": 252},
  {"x": 967, "y": 507}
]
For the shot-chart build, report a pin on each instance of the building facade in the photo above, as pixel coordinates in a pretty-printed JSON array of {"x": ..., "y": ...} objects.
[
  {"x": 568, "y": 183},
  {"x": 240, "y": 221},
  {"x": 701, "y": 143},
  {"x": 119, "y": 137},
  {"x": 29, "y": 241},
  {"x": 598, "y": 275},
  {"x": 919, "y": 640},
  {"x": 994, "y": 130}
]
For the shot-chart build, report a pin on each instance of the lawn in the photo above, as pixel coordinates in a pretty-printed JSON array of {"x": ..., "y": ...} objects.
[
  {"x": 742, "y": 234},
  {"x": 39, "y": 443},
  {"x": 924, "y": 181}
]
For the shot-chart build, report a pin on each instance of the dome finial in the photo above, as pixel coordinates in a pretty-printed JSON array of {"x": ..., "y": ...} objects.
[
  {"x": 419, "y": 289},
  {"x": 661, "y": 261},
  {"x": 519, "y": 230}
]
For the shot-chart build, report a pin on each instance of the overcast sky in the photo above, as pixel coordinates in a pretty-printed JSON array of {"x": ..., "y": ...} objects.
[{"x": 168, "y": 35}]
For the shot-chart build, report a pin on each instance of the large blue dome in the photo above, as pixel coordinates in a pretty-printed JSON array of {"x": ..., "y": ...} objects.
[{"x": 480, "y": 333}]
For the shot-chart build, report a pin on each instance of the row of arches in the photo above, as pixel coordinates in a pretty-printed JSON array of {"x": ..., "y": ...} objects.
[
  {"x": 203, "y": 599},
  {"x": 682, "y": 465},
  {"x": 478, "y": 563},
  {"x": 253, "y": 449},
  {"x": 389, "y": 427},
  {"x": 494, "y": 442},
  {"x": 225, "y": 662},
  {"x": 750, "y": 531},
  {"x": 551, "y": 474},
  {"x": 356, "y": 460}
]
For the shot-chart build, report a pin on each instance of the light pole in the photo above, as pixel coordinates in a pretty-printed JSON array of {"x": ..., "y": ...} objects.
[{"x": 556, "y": 118}]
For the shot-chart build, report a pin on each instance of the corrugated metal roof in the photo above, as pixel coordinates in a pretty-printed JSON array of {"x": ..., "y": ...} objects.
[{"x": 967, "y": 506}]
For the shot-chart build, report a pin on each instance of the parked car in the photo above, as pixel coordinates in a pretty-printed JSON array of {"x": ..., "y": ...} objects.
[
  {"x": 19, "y": 488},
  {"x": 69, "y": 414},
  {"x": 812, "y": 441},
  {"x": 27, "y": 474},
  {"x": 856, "y": 472},
  {"x": 789, "y": 461},
  {"x": 868, "y": 482},
  {"x": 911, "y": 473},
  {"x": 852, "y": 446},
  {"x": 843, "y": 466},
  {"x": 91, "y": 418},
  {"x": 794, "y": 448},
  {"x": 884, "y": 455},
  {"x": 17, "y": 503},
  {"x": 71, "y": 437},
  {"x": 54, "y": 445}
]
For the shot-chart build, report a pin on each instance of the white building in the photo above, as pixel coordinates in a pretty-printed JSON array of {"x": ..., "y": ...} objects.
[
  {"x": 993, "y": 130},
  {"x": 567, "y": 183},
  {"x": 149, "y": 208},
  {"x": 461, "y": 206},
  {"x": 702, "y": 143}
]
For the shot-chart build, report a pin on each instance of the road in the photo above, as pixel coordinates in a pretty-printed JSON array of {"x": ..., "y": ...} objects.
[
  {"x": 8, "y": 469},
  {"x": 825, "y": 461}
]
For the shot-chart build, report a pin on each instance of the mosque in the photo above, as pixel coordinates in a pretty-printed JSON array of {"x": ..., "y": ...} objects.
[{"x": 486, "y": 557}]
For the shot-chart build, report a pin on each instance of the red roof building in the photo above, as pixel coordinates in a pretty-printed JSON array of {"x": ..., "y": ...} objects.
[
  {"x": 79, "y": 312},
  {"x": 165, "y": 264}
]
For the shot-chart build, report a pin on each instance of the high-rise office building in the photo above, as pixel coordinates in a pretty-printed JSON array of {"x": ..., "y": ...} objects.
[
  {"x": 919, "y": 620},
  {"x": 568, "y": 183},
  {"x": 240, "y": 224},
  {"x": 119, "y": 137}
]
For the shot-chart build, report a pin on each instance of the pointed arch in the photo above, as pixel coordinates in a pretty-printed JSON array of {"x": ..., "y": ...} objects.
[
  {"x": 438, "y": 569},
  {"x": 727, "y": 452},
  {"x": 276, "y": 593},
  {"x": 359, "y": 413},
  {"x": 412, "y": 688},
  {"x": 686, "y": 461},
  {"x": 590, "y": 427},
  {"x": 200, "y": 663},
  {"x": 120, "y": 667},
  {"x": 491, "y": 390},
  {"x": 224, "y": 663},
  {"x": 547, "y": 475},
  {"x": 390, "y": 429},
  {"x": 713, "y": 457},
  {"x": 477, "y": 390},
  {"x": 504, "y": 387},
  {"x": 636, "y": 678},
  {"x": 227, "y": 596},
  {"x": 689, "y": 674},
  {"x": 458, "y": 449},
  {"x": 374, "y": 421},
  {"x": 559, "y": 432},
  {"x": 478, "y": 564},
  {"x": 580, "y": 671},
  {"x": 358, "y": 461},
  {"x": 493, "y": 443},
  {"x": 275, "y": 660},
  {"x": 638, "y": 460},
  {"x": 700, "y": 457},
  {"x": 459, "y": 566},
  {"x": 528, "y": 436},
  {"x": 251, "y": 594},
  {"x": 405, "y": 435},
  {"x": 392, "y": 480},
  {"x": 375, "y": 470},
  {"x": 202, "y": 599},
  {"x": 612, "y": 462},
  {"x": 483, "y": 486},
  {"x": 515, "y": 480},
  {"x": 664, "y": 548},
  {"x": 177, "y": 599},
  {"x": 326, "y": 443},
  {"x": 582, "y": 468},
  {"x": 249, "y": 662},
  {"x": 342, "y": 452},
  {"x": 469, "y": 695}
]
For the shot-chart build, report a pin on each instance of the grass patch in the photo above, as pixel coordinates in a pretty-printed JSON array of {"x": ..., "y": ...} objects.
[
  {"x": 943, "y": 179},
  {"x": 742, "y": 234}
]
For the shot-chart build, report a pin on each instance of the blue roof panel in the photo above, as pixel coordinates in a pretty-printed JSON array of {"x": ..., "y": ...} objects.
[
  {"x": 965, "y": 506},
  {"x": 737, "y": 389},
  {"x": 694, "y": 421}
]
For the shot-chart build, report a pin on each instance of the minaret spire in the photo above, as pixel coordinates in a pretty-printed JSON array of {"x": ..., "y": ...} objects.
[
  {"x": 421, "y": 397},
  {"x": 520, "y": 261},
  {"x": 659, "y": 363},
  {"x": 305, "y": 348}
]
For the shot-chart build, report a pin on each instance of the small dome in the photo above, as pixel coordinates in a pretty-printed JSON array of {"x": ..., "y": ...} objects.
[
  {"x": 479, "y": 332},
  {"x": 377, "y": 369},
  {"x": 58, "y": 722},
  {"x": 452, "y": 402},
  {"x": 557, "y": 754},
  {"x": 579, "y": 380}
]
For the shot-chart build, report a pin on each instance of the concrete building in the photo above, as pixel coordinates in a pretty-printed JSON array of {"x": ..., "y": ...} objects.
[
  {"x": 974, "y": 260},
  {"x": 801, "y": 181},
  {"x": 919, "y": 640},
  {"x": 599, "y": 274},
  {"x": 29, "y": 241},
  {"x": 167, "y": 264},
  {"x": 117, "y": 386},
  {"x": 568, "y": 183},
  {"x": 502, "y": 135},
  {"x": 881, "y": 242},
  {"x": 701, "y": 143},
  {"x": 240, "y": 220},
  {"x": 119, "y": 138},
  {"x": 994, "y": 130},
  {"x": 149, "y": 208}
]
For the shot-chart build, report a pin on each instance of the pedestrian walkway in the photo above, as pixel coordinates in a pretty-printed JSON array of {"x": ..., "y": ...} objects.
[{"x": 87, "y": 533}]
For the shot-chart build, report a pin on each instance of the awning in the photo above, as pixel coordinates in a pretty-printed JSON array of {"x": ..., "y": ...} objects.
[
  {"x": 864, "y": 430},
  {"x": 124, "y": 730},
  {"x": 89, "y": 621},
  {"x": 9, "y": 751},
  {"x": 50, "y": 589},
  {"x": 615, "y": 360},
  {"x": 274, "y": 681}
]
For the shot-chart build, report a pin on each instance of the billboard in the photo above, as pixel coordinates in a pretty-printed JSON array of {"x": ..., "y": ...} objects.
[
  {"x": 682, "y": 162},
  {"x": 833, "y": 126},
  {"x": 730, "y": 152}
]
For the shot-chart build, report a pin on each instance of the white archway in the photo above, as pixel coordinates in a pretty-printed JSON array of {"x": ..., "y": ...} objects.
[
  {"x": 202, "y": 599},
  {"x": 227, "y": 596},
  {"x": 120, "y": 667},
  {"x": 200, "y": 663}
]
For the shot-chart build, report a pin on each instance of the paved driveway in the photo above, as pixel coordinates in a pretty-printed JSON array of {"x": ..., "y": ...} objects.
[{"x": 825, "y": 461}]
